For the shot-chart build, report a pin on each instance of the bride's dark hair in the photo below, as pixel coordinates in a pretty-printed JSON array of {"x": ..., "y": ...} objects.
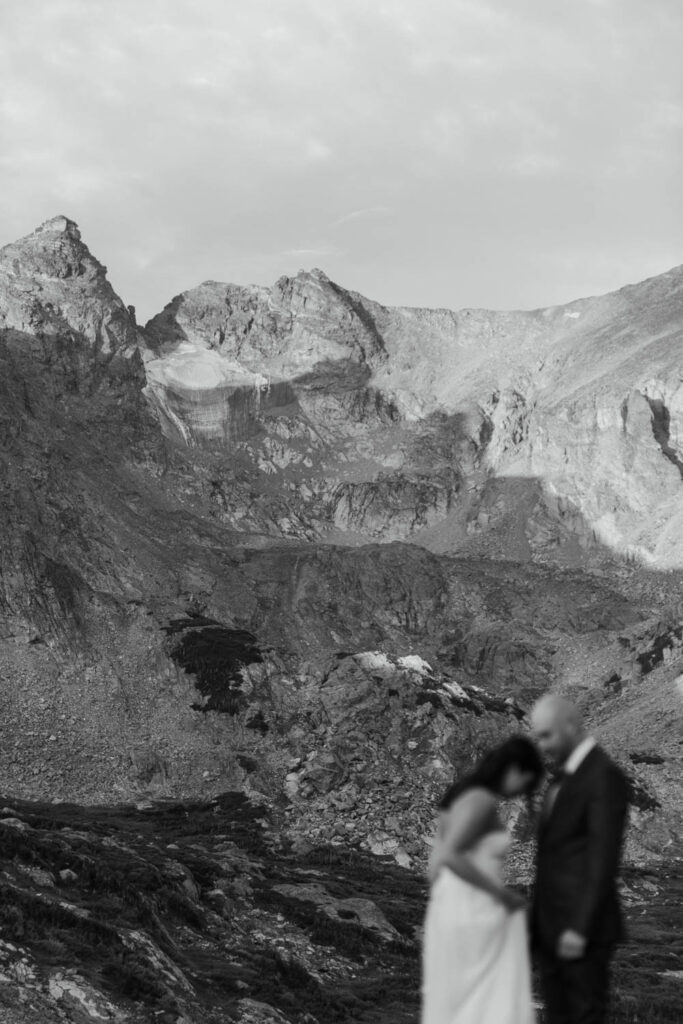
[{"x": 517, "y": 751}]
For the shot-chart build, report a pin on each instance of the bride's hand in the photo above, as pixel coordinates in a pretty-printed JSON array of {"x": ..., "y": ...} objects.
[{"x": 512, "y": 901}]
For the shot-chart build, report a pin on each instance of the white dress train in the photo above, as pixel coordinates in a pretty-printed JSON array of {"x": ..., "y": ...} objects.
[{"x": 475, "y": 958}]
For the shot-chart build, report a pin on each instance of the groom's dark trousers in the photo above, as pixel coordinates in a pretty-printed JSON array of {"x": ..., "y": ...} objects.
[{"x": 579, "y": 846}]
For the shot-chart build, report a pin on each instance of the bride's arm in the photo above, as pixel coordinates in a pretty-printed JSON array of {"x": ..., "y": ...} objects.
[{"x": 470, "y": 817}]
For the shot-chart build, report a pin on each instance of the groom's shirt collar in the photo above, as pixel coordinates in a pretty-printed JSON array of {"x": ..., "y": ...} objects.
[{"x": 578, "y": 754}]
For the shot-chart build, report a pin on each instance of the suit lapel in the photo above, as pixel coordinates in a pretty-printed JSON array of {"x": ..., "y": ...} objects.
[
  {"x": 568, "y": 784},
  {"x": 549, "y": 800}
]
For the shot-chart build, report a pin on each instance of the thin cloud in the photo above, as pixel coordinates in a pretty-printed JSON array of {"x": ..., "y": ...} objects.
[
  {"x": 328, "y": 251},
  {"x": 366, "y": 211},
  {"x": 535, "y": 164}
]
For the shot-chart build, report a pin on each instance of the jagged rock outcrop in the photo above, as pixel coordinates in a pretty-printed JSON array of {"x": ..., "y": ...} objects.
[
  {"x": 295, "y": 324},
  {"x": 221, "y": 355}
]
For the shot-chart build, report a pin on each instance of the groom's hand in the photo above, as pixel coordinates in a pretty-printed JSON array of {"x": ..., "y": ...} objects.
[{"x": 571, "y": 945}]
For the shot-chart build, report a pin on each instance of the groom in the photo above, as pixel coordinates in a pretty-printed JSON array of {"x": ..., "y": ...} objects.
[{"x": 576, "y": 919}]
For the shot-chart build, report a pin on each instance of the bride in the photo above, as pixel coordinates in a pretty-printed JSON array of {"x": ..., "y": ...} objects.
[{"x": 475, "y": 960}]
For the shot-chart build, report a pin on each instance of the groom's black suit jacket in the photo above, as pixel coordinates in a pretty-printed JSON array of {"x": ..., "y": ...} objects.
[{"x": 579, "y": 846}]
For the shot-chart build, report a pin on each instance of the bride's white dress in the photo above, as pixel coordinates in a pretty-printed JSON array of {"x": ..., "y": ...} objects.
[{"x": 475, "y": 960}]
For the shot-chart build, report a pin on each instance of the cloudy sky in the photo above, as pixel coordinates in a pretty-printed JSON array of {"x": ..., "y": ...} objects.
[{"x": 496, "y": 153}]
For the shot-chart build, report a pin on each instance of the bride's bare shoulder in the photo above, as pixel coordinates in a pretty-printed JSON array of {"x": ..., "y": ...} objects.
[
  {"x": 474, "y": 803},
  {"x": 471, "y": 815},
  {"x": 476, "y": 797}
]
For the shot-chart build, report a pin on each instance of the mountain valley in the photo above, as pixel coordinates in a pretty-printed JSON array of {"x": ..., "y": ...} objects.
[{"x": 292, "y": 553}]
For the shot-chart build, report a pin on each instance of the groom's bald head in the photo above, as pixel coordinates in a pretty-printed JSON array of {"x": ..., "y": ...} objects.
[{"x": 557, "y": 725}]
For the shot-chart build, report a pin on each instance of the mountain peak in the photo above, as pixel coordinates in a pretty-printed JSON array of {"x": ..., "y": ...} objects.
[
  {"x": 54, "y": 250},
  {"x": 59, "y": 225},
  {"x": 50, "y": 283}
]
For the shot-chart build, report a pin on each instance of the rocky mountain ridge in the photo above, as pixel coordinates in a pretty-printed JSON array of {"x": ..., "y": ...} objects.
[
  {"x": 560, "y": 429},
  {"x": 582, "y": 404}
]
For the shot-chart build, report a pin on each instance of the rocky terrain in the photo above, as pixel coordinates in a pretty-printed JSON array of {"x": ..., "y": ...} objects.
[
  {"x": 201, "y": 913},
  {"x": 306, "y": 556}
]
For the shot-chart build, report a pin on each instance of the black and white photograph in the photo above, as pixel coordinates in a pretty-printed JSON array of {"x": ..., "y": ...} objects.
[{"x": 341, "y": 512}]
